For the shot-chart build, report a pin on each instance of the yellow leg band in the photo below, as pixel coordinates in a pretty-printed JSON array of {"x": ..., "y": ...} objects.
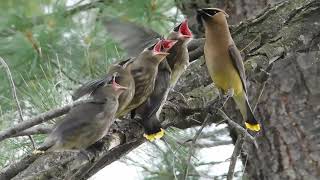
[
  {"x": 253, "y": 127},
  {"x": 152, "y": 137}
]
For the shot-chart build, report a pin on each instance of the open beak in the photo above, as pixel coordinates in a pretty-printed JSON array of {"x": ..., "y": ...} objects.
[
  {"x": 158, "y": 51},
  {"x": 117, "y": 86},
  {"x": 184, "y": 30},
  {"x": 167, "y": 44}
]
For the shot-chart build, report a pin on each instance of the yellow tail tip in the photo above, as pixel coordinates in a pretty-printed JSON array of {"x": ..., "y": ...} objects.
[
  {"x": 152, "y": 137},
  {"x": 253, "y": 127}
]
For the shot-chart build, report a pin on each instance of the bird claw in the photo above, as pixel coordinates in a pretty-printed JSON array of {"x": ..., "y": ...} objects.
[
  {"x": 229, "y": 93},
  {"x": 218, "y": 103},
  {"x": 37, "y": 152}
]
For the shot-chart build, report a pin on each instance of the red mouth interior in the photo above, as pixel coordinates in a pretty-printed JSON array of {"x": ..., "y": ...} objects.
[
  {"x": 184, "y": 29},
  {"x": 167, "y": 44},
  {"x": 157, "y": 47},
  {"x": 115, "y": 85}
]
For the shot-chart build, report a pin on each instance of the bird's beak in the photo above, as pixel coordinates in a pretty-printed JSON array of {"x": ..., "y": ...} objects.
[
  {"x": 202, "y": 15},
  {"x": 184, "y": 30},
  {"x": 157, "y": 50},
  {"x": 167, "y": 44},
  {"x": 117, "y": 86}
]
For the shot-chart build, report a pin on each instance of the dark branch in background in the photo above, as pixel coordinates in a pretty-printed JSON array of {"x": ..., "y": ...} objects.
[
  {"x": 15, "y": 96},
  {"x": 40, "y": 19},
  {"x": 10, "y": 132},
  {"x": 234, "y": 157}
]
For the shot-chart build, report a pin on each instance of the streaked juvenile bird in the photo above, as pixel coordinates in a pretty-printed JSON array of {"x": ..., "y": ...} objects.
[
  {"x": 144, "y": 69},
  {"x": 86, "y": 123},
  {"x": 224, "y": 61},
  {"x": 169, "y": 72},
  {"x": 124, "y": 78}
]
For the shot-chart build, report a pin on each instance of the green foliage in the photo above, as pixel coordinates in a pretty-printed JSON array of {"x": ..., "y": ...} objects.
[{"x": 52, "y": 47}]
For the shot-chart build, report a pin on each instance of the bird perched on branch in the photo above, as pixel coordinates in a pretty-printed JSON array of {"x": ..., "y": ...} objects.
[
  {"x": 144, "y": 69},
  {"x": 124, "y": 78},
  {"x": 89, "y": 122},
  {"x": 169, "y": 72},
  {"x": 224, "y": 61}
]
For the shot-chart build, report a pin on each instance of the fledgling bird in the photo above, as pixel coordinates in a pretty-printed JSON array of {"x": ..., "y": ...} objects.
[
  {"x": 144, "y": 69},
  {"x": 169, "y": 72},
  {"x": 178, "y": 59},
  {"x": 86, "y": 123},
  {"x": 124, "y": 78},
  {"x": 224, "y": 61},
  {"x": 147, "y": 111}
]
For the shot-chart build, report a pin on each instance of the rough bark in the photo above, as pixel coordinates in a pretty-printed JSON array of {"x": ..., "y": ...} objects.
[{"x": 289, "y": 146}]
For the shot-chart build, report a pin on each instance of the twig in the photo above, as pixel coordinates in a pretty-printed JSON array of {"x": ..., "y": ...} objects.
[
  {"x": 240, "y": 128},
  {"x": 14, "y": 95},
  {"x": 234, "y": 157},
  {"x": 191, "y": 150},
  {"x": 244, "y": 166},
  {"x": 34, "y": 130},
  {"x": 46, "y": 116}
]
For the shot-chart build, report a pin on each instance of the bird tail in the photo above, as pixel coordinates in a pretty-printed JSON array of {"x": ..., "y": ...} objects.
[
  {"x": 152, "y": 128},
  {"x": 247, "y": 114},
  {"x": 251, "y": 122}
]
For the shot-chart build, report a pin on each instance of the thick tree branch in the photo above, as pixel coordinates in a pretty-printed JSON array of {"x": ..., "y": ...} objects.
[{"x": 279, "y": 27}]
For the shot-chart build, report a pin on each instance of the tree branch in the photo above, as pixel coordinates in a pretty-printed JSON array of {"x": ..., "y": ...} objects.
[
  {"x": 15, "y": 96},
  {"x": 280, "y": 38},
  {"x": 41, "y": 118}
]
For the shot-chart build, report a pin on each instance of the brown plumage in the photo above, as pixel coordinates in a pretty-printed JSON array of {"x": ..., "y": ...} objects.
[
  {"x": 86, "y": 123},
  {"x": 144, "y": 69},
  {"x": 224, "y": 61},
  {"x": 124, "y": 78},
  {"x": 169, "y": 71}
]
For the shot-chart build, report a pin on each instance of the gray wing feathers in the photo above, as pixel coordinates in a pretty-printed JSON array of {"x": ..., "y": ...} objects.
[
  {"x": 238, "y": 64},
  {"x": 131, "y": 37}
]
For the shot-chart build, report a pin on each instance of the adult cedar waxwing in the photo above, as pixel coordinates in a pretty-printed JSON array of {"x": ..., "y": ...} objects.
[
  {"x": 86, "y": 123},
  {"x": 144, "y": 69},
  {"x": 224, "y": 61},
  {"x": 169, "y": 72},
  {"x": 124, "y": 78}
]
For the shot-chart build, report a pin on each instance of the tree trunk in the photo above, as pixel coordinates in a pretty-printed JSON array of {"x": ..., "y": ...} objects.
[
  {"x": 287, "y": 33},
  {"x": 289, "y": 107}
]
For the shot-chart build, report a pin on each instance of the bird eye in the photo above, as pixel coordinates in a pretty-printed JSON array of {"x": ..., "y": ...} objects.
[
  {"x": 210, "y": 11},
  {"x": 151, "y": 48},
  {"x": 176, "y": 29}
]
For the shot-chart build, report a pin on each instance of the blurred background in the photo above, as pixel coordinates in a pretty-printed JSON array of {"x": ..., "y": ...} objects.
[{"x": 54, "y": 46}]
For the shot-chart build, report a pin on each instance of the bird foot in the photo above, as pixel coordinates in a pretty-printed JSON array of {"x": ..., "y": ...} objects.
[
  {"x": 218, "y": 103},
  {"x": 37, "y": 152}
]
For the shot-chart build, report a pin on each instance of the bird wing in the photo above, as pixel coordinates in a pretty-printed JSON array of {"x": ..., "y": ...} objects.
[
  {"x": 238, "y": 64},
  {"x": 90, "y": 87},
  {"x": 132, "y": 37}
]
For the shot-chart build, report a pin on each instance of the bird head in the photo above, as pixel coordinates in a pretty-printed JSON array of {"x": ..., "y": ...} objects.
[
  {"x": 115, "y": 86},
  {"x": 167, "y": 44},
  {"x": 181, "y": 32},
  {"x": 207, "y": 15},
  {"x": 157, "y": 51}
]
